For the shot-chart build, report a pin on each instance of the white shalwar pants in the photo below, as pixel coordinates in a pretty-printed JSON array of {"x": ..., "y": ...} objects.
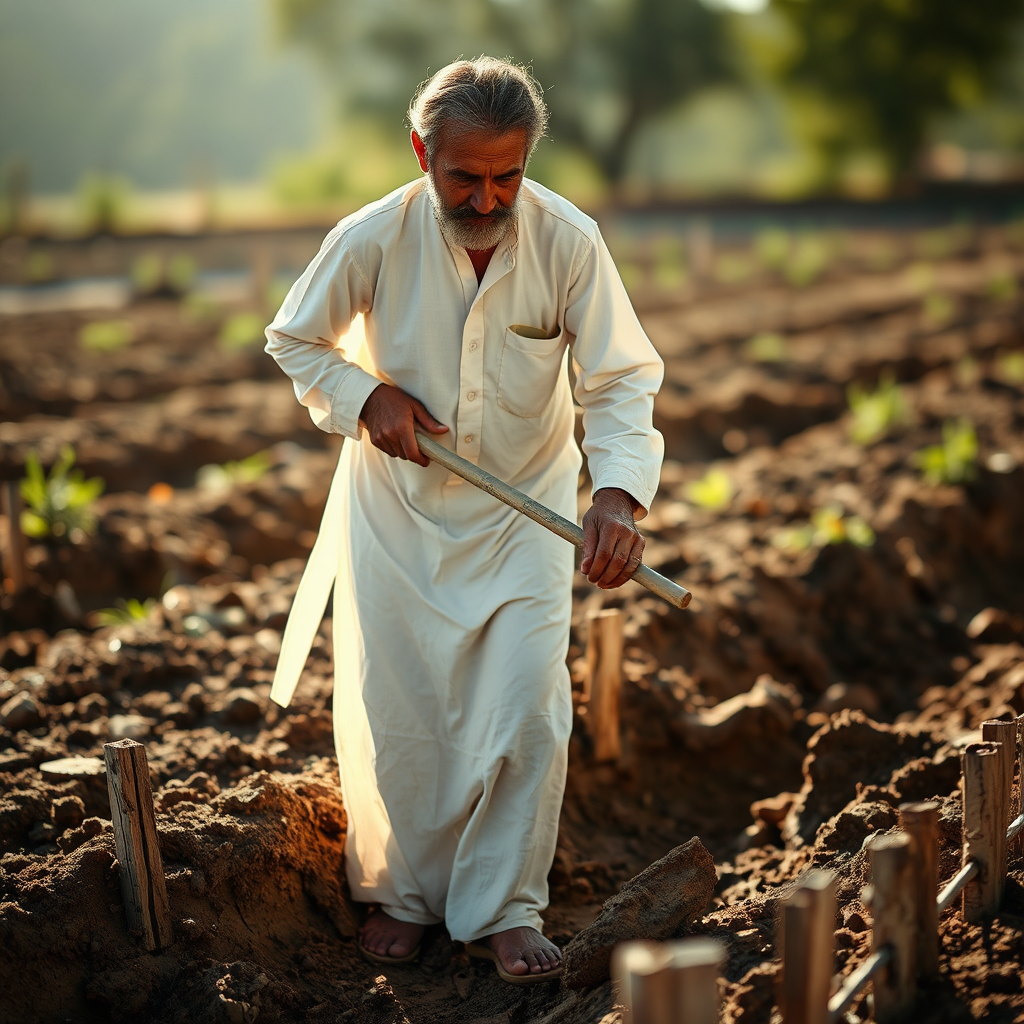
[{"x": 452, "y": 706}]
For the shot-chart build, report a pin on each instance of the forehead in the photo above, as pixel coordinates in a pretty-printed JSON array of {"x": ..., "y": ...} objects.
[{"x": 477, "y": 151}]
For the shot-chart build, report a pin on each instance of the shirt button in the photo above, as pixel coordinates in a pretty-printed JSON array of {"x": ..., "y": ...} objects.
[
  {"x": 468, "y": 438},
  {"x": 470, "y": 395},
  {"x": 472, "y": 346}
]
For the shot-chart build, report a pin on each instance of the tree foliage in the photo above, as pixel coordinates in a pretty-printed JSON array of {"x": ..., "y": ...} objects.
[
  {"x": 607, "y": 66},
  {"x": 886, "y": 68}
]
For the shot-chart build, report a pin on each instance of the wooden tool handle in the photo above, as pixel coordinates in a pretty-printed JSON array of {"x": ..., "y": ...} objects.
[{"x": 645, "y": 576}]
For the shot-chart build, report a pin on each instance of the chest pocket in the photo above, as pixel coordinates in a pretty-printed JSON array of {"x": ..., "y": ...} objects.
[{"x": 531, "y": 361}]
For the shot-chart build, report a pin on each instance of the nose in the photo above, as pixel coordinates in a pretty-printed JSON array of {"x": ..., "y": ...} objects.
[{"x": 484, "y": 199}]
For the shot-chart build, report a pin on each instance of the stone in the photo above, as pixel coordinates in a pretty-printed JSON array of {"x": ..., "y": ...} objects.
[
  {"x": 129, "y": 727},
  {"x": 242, "y": 707},
  {"x": 21, "y": 712},
  {"x": 658, "y": 904},
  {"x": 68, "y": 812}
]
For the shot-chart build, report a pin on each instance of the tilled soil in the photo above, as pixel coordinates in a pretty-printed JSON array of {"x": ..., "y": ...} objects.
[{"x": 809, "y": 690}]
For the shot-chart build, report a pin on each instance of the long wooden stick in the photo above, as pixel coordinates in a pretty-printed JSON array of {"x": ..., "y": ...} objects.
[{"x": 646, "y": 577}]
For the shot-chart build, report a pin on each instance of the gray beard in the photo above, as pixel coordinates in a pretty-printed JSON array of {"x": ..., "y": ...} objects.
[{"x": 471, "y": 236}]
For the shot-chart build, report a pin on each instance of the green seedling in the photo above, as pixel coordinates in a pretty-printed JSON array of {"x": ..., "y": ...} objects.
[
  {"x": 125, "y": 613},
  {"x": 1011, "y": 367},
  {"x": 59, "y": 505},
  {"x": 766, "y": 347},
  {"x": 39, "y": 267},
  {"x": 828, "y": 526},
  {"x": 1002, "y": 286},
  {"x": 147, "y": 273},
  {"x": 733, "y": 267},
  {"x": 245, "y": 471},
  {"x": 951, "y": 462},
  {"x": 807, "y": 261},
  {"x": 669, "y": 263},
  {"x": 714, "y": 491},
  {"x": 771, "y": 247},
  {"x": 241, "y": 330},
  {"x": 876, "y": 413},
  {"x": 938, "y": 307},
  {"x": 106, "y": 335},
  {"x": 181, "y": 273}
]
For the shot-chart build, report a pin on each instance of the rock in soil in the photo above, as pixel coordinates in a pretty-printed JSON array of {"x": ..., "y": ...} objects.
[{"x": 658, "y": 904}]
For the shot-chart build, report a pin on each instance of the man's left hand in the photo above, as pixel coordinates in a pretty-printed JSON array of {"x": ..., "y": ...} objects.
[{"x": 612, "y": 545}]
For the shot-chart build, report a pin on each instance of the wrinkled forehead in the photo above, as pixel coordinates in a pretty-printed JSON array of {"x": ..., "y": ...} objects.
[{"x": 479, "y": 150}]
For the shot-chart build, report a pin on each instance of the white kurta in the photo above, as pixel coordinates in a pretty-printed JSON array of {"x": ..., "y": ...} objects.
[{"x": 452, "y": 706}]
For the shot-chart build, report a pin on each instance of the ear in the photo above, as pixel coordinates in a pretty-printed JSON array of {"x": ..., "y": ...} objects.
[{"x": 420, "y": 150}]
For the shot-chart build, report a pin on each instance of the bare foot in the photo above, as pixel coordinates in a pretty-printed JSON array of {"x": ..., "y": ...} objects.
[
  {"x": 524, "y": 951},
  {"x": 383, "y": 935}
]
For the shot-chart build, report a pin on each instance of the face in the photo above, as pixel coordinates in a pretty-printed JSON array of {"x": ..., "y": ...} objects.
[{"x": 473, "y": 181}]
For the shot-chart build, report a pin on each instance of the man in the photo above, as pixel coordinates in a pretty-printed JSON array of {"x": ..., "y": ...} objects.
[{"x": 452, "y": 705}]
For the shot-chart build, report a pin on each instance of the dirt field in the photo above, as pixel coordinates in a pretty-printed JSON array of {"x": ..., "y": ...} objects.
[{"x": 853, "y": 624}]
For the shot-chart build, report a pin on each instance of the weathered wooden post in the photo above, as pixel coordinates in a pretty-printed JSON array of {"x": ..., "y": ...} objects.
[
  {"x": 808, "y": 950},
  {"x": 921, "y": 823},
  {"x": 669, "y": 982},
  {"x": 1005, "y": 735},
  {"x": 15, "y": 553},
  {"x": 604, "y": 682},
  {"x": 142, "y": 875},
  {"x": 984, "y": 829},
  {"x": 1017, "y": 804},
  {"x": 891, "y": 898}
]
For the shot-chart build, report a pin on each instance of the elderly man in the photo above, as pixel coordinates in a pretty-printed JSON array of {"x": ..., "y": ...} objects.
[{"x": 450, "y": 306}]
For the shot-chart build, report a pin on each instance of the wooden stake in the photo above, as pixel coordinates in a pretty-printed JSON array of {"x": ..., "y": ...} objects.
[
  {"x": 1017, "y": 803},
  {"x": 984, "y": 829},
  {"x": 669, "y": 982},
  {"x": 604, "y": 682},
  {"x": 142, "y": 875},
  {"x": 1005, "y": 735},
  {"x": 921, "y": 822},
  {"x": 808, "y": 950},
  {"x": 892, "y": 904},
  {"x": 15, "y": 553}
]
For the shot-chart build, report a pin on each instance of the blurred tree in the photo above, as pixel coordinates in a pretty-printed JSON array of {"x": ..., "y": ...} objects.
[
  {"x": 607, "y": 66},
  {"x": 885, "y": 68}
]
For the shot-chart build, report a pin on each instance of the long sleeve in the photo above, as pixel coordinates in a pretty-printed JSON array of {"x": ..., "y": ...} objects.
[
  {"x": 618, "y": 373},
  {"x": 312, "y": 340}
]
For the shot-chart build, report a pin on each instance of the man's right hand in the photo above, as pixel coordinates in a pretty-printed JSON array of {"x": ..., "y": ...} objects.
[{"x": 391, "y": 416}]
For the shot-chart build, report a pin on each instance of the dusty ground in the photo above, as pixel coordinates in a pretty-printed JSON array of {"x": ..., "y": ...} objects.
[{"x": 871, "y": 663}]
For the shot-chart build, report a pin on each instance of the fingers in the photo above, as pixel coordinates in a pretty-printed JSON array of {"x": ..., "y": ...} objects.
[
  {"x": 424, "y": 419},
  {"x": 590, "y": 534},
  {"x": 618, "y": 553}
]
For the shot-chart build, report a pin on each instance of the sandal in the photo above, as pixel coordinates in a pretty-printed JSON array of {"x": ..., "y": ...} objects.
[
  {"x": 480, "y": 952},
  {"x": 383, "y": 958}
]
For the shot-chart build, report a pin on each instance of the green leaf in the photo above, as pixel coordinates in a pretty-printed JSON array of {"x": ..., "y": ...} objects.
[{"x": 714, "y": 491}]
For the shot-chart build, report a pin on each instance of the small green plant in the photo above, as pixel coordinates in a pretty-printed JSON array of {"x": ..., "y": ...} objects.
[
  {"x": 102, "y": 200},
  {"x": 828, "y": 525},
  {"x": 241, "y": 330},
  {"x": 766, "y": 347},
  {"x": 215, "y": 477},
  {"x": 106, "y": 335},
  {"x": 876, "y": 413},
  {"x": 59, "y": 505},
  {"x": 669, "y": 263},
  {"x": 1002, "y": 286},
  {"x": 951, "y": 462},
  {"x": 714, "y": 491},
  {"x": 38, "y": 267},
  {"x": 807, "y": 261},
  {"x": 125, "y": 612},
  {"x": 1011, "y": 367},
  {"x": 938, "y": 307},
  {"x": 771, "y": 247},
  {"x": 733, "y": 267}
]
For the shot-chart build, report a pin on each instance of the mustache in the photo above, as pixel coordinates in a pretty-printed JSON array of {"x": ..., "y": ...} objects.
[{"x": 466, "y": 212}]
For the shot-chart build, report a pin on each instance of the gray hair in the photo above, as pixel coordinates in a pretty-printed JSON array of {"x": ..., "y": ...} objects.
[{"x": 480, "y": 94}]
